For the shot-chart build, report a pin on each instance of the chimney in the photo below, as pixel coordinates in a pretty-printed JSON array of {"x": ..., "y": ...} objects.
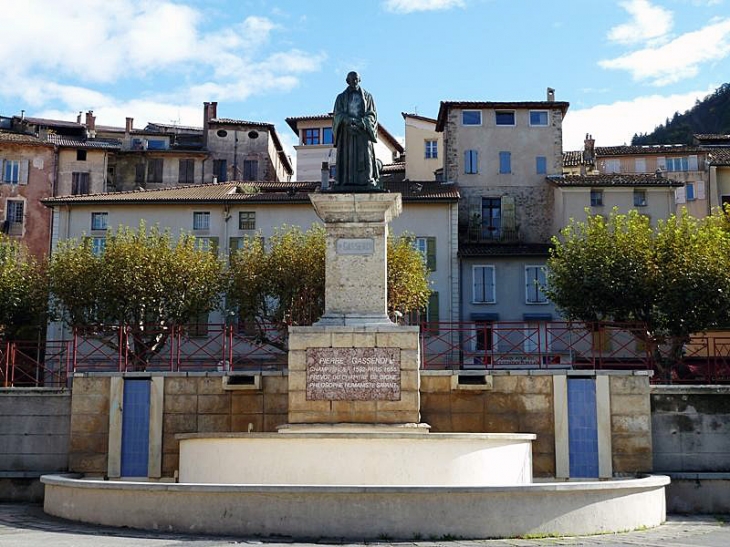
[
  {"x": 550, "y": 95},
  {"x": 78, "y": 118},
  {"x": 90, "y": 124},
  {"x": 325, "y": 175},
  {"x": 129, "y": 126},
  {"x": 210, "y": 112},
  {"x": 22, "y": 115},
  {"x": 589, "y": 149}
]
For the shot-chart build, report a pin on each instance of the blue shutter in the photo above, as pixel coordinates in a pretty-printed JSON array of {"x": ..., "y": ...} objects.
[
  {"x": 541, "y": 165},
  {"x": 505, "y": 162}
]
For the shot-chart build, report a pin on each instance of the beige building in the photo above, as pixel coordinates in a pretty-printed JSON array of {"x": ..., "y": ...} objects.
[
  {"x": 424, "y": 147},
  {"x": 222, "y": 215},
  {"x": 316, "y": 146},
  {"x": 653, "y": 195},
  {"x": 717, "y": 148}
]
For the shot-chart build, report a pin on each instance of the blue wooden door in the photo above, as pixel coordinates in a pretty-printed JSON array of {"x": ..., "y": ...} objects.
[
  {"x": 582, "y": 427},
  {"x": 135, "y": 428}
]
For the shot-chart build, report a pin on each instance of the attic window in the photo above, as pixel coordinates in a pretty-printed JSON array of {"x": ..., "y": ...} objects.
[
  {"x": 222, "y": 133},
  {"x": 253, "y": 134}
]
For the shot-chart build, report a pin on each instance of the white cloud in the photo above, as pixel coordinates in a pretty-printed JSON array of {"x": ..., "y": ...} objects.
[
  {"x": 615, "y": 123},
  {"x": 409, "y": 6},
  {"x": 648, "y": 23},
  {"x": 678, "y": 59}
]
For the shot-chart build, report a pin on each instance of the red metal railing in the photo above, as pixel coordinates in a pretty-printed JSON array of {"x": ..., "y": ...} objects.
[{"x": 445, "y": 346}]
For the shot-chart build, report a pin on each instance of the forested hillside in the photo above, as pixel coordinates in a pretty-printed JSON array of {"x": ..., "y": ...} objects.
[{"x": 711, "y": 115}]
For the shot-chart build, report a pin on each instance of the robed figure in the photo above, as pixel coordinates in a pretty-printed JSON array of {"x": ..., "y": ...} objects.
[{"x": 355, "y": 130}]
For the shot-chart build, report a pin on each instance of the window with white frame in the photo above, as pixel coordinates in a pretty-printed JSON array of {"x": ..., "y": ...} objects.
[
  {"x": 98, "y": 244},
  {"x": 640, "y": 165},
  {"x": 678, "y": 164},
  {"x": 483, "y": 289},
  {"x": 538, "y": 118},
  {"x": 471, "y": 117},
  {"x": 201, "y": 220},
  {"x": 14, "y": 215},
  {"x": 535, "y": 280},
  {"x": 504, "y": 117},
  {"x": 596, "y": 198},
  {"x": 471, "y": 162},
  {"x": 431, "y": 149},
  {"x": 11, "y": 171},
  {"x": 99, "y": 221},
  {"x": 247, "y": 220},
  {"x": 612, "y": 166},
  {"x": 639, "y": 198}
]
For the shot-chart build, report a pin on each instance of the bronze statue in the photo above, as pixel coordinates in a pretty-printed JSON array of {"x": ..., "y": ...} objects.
[{"x": 355, "y": 130}]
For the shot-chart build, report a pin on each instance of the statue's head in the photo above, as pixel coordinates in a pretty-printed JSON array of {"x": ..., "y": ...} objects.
[{"x": 353, "y": 79}]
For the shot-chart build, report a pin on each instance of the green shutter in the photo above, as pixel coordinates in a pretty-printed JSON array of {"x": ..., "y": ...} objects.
[
  {"x": 433, "y": 311},
  {"x": 431, "y": 253}
]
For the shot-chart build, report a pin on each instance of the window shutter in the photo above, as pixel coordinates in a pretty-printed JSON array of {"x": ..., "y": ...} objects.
[
  {"x": 431, "y": 253},
  {"x": 234, "y": 244},
  {"x": 505, "y": 162},
  {"x": 693, "y": 164},
  {"x": 2, "y": 170},
  {"x": 680, "y": 195},
  {"x": 661, "y": 163},
  {"x": 24, "y": 168},
  {"x": 509, "y": 220},
  {"x": 700, "y": 188},
  {"x": 433, "y": 312}
]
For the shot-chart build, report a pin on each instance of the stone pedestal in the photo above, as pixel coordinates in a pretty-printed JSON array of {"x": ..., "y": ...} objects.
[
  {"x": 356, "y": 267},
  {"x": 354, "y": 374}
]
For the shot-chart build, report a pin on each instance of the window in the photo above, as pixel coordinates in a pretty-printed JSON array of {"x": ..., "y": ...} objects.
[
  {"x": 209, "y": 244},
  {"x": 483, "y": 285},
  {"x": 538, "y": 118},
  {"x": 98, "y": 245},
  {"x": 186, "y": 172},
  {"x": 201, "y": 221},
  {"x": 79, "y": 183},
  {"x": 677, "y": 164},
  {"x": 198, "y": 325},
  {"x": 484, "y": 336},
  {"x": 639, "y": 198},
  {"x": 537, "y": 337},
  {"x": 139, "y": 173},
  {"x": 491, "y": 218},
  {"x": 11, "y": 171},
  {"x": 99, "y": 221},
  {"x": 431, "y": 149},
  {"x": 596, "y": 198},
  {"x": 253, "y": 134},
  {"x": 250, "y": 169},
  {"x": 154, "y": 169},
  {"x": 612, "y": 166},
  {"x": 427, "y": 247},
  {"x": 471, "y": 162},
  {"x": 505, "y": 162},
  {"x": 220, "y": 170},
  {"x": 535, "y": 279},
  {"x": 541, "y": 165},
  {"x": 689, "y": 189},
  {"x": 333, "y": 172},
  {"x": 327, "y": 135},
  {"x": 247, "y": 220},
  {"x": 222, "y": 133},
  {"x": 471, "y": 117},
  {"x": 505, "y": 117},
  {"x": 80, "y": 155},
  {"x": 640, "y": 165},
  {"x": 14, "y": 216},
  {"x": 311, "y": 136},
  {"x": 156, "y": 144}
]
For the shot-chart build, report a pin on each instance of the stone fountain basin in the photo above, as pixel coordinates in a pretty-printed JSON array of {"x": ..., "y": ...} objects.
[{"x": 328, "y": 458}]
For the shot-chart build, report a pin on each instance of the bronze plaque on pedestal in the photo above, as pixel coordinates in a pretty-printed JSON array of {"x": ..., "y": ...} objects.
[{"x": 353, "y": 374}]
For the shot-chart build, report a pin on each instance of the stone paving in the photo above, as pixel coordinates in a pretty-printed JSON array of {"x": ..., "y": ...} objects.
[{"x": 23, "y": 525}]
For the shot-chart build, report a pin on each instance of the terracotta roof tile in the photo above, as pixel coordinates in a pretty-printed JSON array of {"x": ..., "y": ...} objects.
[
  {"x": 20, "y": 138},
  {"x": 417, "y": 117},
  {"x": 253, "y": 192},
  {"x": 80, "y": 142},
  {"x": 574, "y": 158},
  {"x": 719, "y": 156},
  {"x": 612, "y": 179}
]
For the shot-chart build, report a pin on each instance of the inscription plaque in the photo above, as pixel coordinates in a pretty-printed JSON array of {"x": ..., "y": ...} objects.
[
  {"x": 353, "y": 374},
  {"x": 355, "y": 246}
]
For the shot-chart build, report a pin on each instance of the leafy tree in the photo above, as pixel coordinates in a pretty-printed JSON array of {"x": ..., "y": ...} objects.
[
  {"x": 23, "y": 291},
  {"x": 674, "y": 278},
  {"x": 285, "y": 284},
  {"x": 143, "y": 282}
]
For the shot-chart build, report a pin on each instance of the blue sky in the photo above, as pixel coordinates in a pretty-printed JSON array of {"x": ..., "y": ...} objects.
[{"x": 624, "y": 65}]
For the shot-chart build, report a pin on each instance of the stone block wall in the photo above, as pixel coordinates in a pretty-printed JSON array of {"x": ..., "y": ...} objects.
[
  {"x": 631, "y": 440},
  {"x": 516, "y": 403},
  {"x": 89, "y": 441}
]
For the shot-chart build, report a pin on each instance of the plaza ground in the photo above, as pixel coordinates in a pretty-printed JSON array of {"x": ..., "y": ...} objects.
[{"x": 26, "y": 525}]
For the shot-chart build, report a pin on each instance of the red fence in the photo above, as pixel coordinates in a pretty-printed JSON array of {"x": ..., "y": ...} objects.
[{"x": 446, "y": 346}]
